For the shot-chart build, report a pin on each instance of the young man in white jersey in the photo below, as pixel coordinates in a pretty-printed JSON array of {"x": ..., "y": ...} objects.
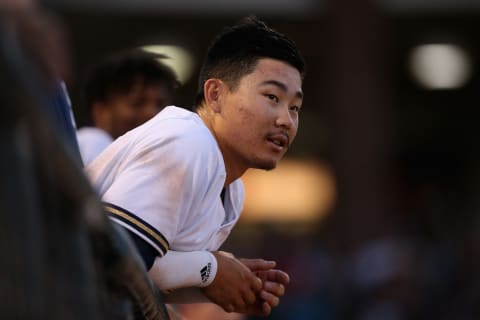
[{"x": 174, "y": 182}]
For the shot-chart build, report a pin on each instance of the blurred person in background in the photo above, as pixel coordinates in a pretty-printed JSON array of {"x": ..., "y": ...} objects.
[
  {"x": 174, "y": 182},
  {"x": 123, "y": 91}
]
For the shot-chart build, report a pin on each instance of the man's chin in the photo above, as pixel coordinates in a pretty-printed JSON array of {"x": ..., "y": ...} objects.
[{"x": 266, "y": 165}]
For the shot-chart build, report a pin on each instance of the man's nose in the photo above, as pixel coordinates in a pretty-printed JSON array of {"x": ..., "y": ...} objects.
[{"x": 285, "y": 118}]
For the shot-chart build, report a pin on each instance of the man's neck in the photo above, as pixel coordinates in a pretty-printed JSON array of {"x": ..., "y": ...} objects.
[{"x": 232, "y": 167}]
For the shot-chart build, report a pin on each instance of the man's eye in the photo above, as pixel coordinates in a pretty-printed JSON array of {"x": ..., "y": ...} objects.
[
  {"x": 272, "y": 97},
  {"x": 295, "y": 108}
]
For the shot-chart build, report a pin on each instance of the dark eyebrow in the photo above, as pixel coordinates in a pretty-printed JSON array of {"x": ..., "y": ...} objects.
[{"x": 282, "y": 86}]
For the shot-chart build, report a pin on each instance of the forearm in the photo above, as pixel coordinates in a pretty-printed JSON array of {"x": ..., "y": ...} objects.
[{"x": 186, "y": 295}]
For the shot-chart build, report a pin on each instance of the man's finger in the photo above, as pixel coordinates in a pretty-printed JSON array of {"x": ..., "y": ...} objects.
[
  {"x": 274, "y": 275},
  {"x": 274, "y": 288},
  {"x": 266, "y": 309},
  {"x": 257, "y": 284},
  {"x": 258, "y": 264},
  {"x": 271, "y": 299}
]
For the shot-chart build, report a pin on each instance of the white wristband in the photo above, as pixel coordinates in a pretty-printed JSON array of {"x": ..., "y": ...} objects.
[{"x": 183, "y": 269}]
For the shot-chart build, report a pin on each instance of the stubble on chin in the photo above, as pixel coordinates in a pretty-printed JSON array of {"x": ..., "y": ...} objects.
[{"x": 264, "y": 165}]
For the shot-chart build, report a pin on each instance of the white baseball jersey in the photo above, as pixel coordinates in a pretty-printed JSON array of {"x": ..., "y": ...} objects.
[
  {"x": 92, "y": 141},
  {"x": 163, "y": 181}
]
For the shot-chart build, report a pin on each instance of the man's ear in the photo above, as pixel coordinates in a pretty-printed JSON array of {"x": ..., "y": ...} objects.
[{"x": 213, "y": 89}]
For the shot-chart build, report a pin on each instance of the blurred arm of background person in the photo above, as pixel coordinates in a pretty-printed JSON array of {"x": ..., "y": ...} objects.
[{"x": 121, "y": 92}]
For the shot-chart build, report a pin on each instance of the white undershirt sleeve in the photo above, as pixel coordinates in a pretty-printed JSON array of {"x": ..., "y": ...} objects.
[{"x": 183, "y": 269}]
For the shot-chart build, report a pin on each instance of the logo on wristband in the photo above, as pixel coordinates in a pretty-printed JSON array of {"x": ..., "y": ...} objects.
[{"x": 205, "y": 272}]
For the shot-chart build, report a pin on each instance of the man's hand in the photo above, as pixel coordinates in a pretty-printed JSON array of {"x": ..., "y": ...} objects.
[
  {"x": 235, "y": 287},
  {"x": 274, "y": 282}
]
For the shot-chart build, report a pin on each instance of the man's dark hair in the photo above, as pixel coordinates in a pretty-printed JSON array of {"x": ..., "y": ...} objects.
[
  {"x": 235, "y": 52},
  {"x": 118, "y": 73}
]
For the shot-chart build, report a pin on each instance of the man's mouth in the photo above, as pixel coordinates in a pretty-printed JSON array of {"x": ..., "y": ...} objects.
[{"x": 281, "y": 140}]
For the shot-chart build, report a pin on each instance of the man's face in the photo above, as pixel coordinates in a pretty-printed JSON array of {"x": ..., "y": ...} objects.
[
  {"x": 260, "y": 117},
  {"x": 131, "y": 109}
]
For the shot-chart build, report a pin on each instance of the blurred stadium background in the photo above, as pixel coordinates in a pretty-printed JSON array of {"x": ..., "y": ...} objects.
[{"x": 374, "y": 213}]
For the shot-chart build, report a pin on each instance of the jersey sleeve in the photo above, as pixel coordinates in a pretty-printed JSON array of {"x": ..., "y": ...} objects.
[{"x": 160, "y": 185}]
